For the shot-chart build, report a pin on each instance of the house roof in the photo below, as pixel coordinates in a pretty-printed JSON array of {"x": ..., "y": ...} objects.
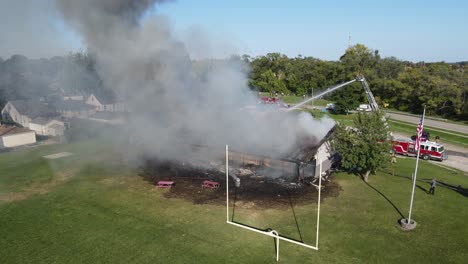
[
  {"x": 304, "y": 151},
  {"x": 33, "y": 109},
  {"x": 11, "y": 130},
  {"x": 307, "y": 148},
  {"x": 40, "y": 120},
  {"x": 43, "y": 121},
  {"x": 105, "y": 97},
  {"x": 71, "y": 105}
]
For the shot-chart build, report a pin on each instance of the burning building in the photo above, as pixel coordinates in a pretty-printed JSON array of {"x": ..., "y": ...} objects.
[{"x": 173, "y": 108}]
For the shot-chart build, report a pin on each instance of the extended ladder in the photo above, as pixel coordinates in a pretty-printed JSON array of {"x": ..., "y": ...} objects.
[{"x": 369, "y": 95}]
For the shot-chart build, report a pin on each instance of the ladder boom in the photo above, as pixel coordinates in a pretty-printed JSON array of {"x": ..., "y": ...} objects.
[{"x": 370, "y": 97}]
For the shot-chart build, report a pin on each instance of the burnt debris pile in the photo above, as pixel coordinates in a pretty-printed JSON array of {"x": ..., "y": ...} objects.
[{"x": 253, "y": 181}]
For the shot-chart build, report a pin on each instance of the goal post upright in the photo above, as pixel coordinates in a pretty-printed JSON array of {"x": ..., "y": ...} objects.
[
  {"x": 227, "y": 183},
  {"x": 318, "y": 205}
]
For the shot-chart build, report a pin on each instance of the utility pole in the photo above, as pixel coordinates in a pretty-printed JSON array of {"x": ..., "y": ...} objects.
[{"x": 312, "y": 96}]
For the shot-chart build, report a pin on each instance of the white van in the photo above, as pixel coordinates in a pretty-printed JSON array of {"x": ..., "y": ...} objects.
[{"x": 364, "y": 108}]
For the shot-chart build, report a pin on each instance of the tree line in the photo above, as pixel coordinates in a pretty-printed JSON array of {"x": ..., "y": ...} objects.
[
  {"x": 397, "y": 84},
  {"x": 45, "y": 79}
]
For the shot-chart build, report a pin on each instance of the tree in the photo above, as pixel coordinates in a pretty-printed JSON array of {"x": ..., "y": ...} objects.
[
  {"x": 359, "y": 59},
  {"x": 269, "y": 82},
  {"x": 348, "y": 98},
  {"x": 389, "y": 68},
  {"x": 363, "y": 148},
  {"x": 79, "y": 74}
]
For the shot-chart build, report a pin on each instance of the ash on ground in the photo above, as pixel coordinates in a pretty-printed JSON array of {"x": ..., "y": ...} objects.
[{"x": 257, "y": 188}]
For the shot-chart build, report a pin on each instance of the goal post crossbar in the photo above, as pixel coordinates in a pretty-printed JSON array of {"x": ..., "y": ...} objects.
[{"x": 271, "y": 234}]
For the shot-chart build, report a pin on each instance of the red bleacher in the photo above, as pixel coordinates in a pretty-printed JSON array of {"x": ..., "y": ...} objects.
[
  {"x": 165, "y": 184},
  {"x": 210, "y": 185}
]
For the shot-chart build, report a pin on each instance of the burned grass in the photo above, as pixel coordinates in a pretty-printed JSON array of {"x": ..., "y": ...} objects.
[{"x": 254, "y": 191}]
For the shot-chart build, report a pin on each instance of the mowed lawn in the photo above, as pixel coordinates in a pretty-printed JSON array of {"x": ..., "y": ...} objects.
[{"x": 92, "y": 207}]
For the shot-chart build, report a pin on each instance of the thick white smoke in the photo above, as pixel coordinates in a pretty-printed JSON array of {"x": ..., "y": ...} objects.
[{"x": 151, "y": 71}]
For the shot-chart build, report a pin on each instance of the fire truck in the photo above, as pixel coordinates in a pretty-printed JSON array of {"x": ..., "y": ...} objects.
[
  {"x": 269, "y": 100},
  {"x": 429, "y": 149}
]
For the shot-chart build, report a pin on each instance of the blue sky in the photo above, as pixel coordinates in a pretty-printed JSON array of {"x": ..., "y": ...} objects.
[{"x": 409, "y": 30}]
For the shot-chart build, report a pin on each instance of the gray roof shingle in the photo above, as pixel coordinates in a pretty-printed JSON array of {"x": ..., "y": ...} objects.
[
  {"x": 33, "y": 109},
  {"x": 11, "y": 130}
]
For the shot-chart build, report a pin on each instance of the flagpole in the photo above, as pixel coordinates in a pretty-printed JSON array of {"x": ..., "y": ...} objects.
[{"x": 418, "y": 138}]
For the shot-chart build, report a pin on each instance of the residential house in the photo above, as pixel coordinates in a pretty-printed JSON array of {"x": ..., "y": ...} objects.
[
  {"x": 21, "y": 112},
  {"x": 11, "y": 136},
  {"x": 105, "y": 103},
  {"x": 47, "y": 127}
]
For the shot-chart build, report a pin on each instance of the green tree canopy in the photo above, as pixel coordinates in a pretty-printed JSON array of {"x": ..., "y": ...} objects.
[{"x": 363, "y": 148}]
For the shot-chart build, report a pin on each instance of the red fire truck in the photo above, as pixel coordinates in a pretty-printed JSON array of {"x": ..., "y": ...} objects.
[
  {"x": 269, "y": 100},
  {"x": 429, "y": 149}
]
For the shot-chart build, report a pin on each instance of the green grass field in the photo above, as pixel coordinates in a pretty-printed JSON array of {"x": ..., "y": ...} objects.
[
  {"x": 445, "y": 135},
  {"x": 93, "y": 208}
]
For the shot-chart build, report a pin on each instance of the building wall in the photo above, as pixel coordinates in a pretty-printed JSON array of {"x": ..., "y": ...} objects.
[
  {"x": 109, "y": 107},
  {"x": 56, "y": 132},
  {"x": 47, "y": 129},
  {"x": 324, "y": 155},
  {"x": 323, "y": 152},
  {"x": 9, "y": 141},
  {"x": 117, "y": 107},
  {"x": 40, "y": 129},
  {"x": 120, "y": 107},
  {"x": 56, "y": 129}
]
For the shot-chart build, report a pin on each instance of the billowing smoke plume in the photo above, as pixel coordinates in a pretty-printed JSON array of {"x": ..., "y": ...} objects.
[{"x": 151, "y": 71}]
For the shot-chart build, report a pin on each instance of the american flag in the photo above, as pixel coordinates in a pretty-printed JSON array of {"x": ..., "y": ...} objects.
[{"x": 419, "y": 131}]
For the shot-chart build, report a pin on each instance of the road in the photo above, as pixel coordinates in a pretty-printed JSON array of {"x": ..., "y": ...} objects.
[
  {"x": 456, "y": 128},
  {"x": 431, "y": 123}
]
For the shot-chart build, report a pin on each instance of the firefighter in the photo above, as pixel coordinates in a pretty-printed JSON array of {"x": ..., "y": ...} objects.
[
  {"x": 433, "y": 186},
  {"x": 393, "y": 157}
]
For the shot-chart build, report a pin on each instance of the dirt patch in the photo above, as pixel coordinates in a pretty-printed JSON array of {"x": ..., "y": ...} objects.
[
  {"x": 253, "y": 192},
  {"x": 59, "y": 179},
  {"x": 58, "y": 155}
]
